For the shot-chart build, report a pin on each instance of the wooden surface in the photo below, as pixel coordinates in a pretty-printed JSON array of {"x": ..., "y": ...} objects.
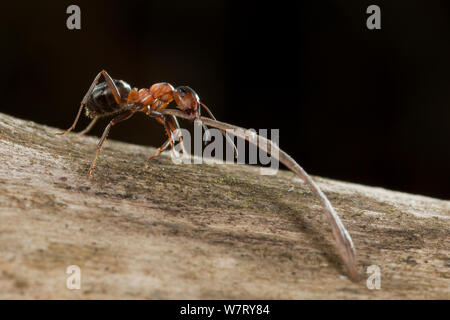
[{"x": 198, "y": 231}]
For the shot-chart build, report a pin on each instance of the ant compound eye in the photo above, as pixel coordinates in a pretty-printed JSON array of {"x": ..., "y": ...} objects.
[
  {"x": 182, "y": 91},
  {"x": 187, "y": 91}
]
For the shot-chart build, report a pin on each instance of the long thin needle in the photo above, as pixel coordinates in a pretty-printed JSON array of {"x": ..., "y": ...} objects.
[{"x": 344, "y": 242}]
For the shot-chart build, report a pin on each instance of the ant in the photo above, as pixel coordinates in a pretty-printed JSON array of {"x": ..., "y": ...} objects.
[{"x": 116, "y": 97}]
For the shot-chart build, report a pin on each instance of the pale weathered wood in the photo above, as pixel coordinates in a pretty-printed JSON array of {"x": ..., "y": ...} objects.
[{"x": 198, "y": 231}]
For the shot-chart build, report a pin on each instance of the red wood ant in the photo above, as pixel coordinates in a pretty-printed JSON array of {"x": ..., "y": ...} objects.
[{"x": 116, "y": 97}]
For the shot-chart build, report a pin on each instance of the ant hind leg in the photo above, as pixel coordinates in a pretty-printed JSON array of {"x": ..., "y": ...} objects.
[
  {"x": 111, "y": 86},
  {"x": 74, "y": 123},
  {"x": 88, "y": 128},
  {"x": 119, "y": 118}
]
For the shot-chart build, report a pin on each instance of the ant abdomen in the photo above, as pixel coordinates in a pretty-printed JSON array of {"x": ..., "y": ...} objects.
[
  {"x": 101, "y": 102},
  {"x": 117, "y": 97}
]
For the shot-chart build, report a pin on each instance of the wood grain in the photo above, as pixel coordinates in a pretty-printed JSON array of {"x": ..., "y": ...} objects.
[{"x": 198, "y": 231}]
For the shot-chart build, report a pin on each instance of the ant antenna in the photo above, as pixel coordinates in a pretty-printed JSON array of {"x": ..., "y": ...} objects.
[{"x": 207, "y": 134}]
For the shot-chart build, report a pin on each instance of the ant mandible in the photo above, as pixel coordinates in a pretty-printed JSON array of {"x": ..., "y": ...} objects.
[{"x": 115, "y": 97}]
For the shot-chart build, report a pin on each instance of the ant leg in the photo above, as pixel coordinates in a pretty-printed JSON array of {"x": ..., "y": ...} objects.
[
  {"x": 172, "y": 122},
  {"x": 74, "y": 123},
  {"x": 111, "y": 86},
  {"x": 170, "y": 127},
  {"x": 169, "y": 130},
  {"x": 174, "y": 125},
  {"x": 167, "y": 127},
  {"x": 169, "y": 134},
  {"x": 160, "y": 150},
  {"x": 89, "y": 127},
  {"x": 116, "y": 120}
]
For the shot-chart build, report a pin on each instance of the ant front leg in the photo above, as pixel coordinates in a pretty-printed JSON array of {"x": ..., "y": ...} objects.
[
  {"x": 116, "y": 120},
  {"x": 160, "y": 150},
  {"x": 111, "y": 86},
  {"x": 174, "y": 126},
  {"x": 169, "y": 126}
]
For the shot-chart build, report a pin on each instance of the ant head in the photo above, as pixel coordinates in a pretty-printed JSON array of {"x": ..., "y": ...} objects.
[
  {"x": 186, "y": 99},
  {"x": 162, "y": 91}
]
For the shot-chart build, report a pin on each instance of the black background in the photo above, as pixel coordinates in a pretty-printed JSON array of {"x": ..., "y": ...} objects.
[{"x": 353, "y": 104}]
